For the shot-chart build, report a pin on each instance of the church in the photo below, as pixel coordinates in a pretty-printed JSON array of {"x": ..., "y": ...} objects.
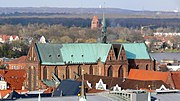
[{"x": 67, "y": 61}]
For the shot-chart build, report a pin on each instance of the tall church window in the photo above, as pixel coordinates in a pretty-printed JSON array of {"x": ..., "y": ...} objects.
[
  {"x": 56, "y": 71},
  {"x": 67, "y": 72},
  {"x": 45, "y": 73},
  {"x": 147, "y": 67},
  {"x": 120, "y": 72},
  {"x": 91, "y": 70},
  {"x": 137, "y": 67},
  {"x": 79, "y": 70},
  {"x": 109, "y": 71}
]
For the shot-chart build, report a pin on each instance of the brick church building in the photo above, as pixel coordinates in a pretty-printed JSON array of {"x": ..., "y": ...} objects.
[
  {"x": 67, "y": 61},
  {"x": 95, "y": 23}
]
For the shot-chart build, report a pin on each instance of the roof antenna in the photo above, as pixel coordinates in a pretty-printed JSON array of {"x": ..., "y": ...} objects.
[{"x": 104, "y": 28}]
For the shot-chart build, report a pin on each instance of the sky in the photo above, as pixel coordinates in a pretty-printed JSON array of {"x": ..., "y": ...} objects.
[{"x": 153, "y": 5}]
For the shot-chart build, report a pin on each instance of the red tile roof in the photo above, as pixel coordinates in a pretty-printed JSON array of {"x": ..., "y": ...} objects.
[
  {"x": 21, "y": 59},
  {"x": 138, "y": 74},
  {"x": 140, "y": 84},
  {"x": 176, "y": 79},
  {"x": 3, "y": 93},
  {"x": 14, "y": 78},
  {"x": 109, "y": 81}
]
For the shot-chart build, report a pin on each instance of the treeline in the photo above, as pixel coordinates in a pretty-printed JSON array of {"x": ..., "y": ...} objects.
[
  {"x": 13, "y": 50},
  {"x": 69, "y": 22},
  {"x": 80, "y": 22}
]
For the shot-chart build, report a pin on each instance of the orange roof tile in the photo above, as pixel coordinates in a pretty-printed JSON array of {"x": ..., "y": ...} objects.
[
  {"x": 176, "y": 79},
  {"x": 21, "y": 59},
  {"x": 14, "y": 78},
  {"x": 3, "y": 93},
  {"x": 138, "y": 74}
]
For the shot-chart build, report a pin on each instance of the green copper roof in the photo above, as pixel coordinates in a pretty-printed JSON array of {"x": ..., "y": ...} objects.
[
  {"x": 50, "y": 54},
  {"x": 75, "y": 53},
  {"x": 79, "y": 53},
  {"x": 85, "y": 53},
  {"x": 136, "y": 51}
]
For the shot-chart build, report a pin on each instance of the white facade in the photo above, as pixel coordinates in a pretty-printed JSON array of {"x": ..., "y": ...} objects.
[
  {"x": 3, "y": 85},
  {"x": 166, "y": 34}
]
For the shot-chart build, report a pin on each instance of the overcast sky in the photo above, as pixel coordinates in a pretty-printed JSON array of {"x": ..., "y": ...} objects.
[{"x": 164, "y": 5}]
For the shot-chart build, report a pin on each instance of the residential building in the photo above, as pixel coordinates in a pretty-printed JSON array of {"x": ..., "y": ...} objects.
[
  {"x": 170, "y": 78},
  {"x": 14, "y": 78}
]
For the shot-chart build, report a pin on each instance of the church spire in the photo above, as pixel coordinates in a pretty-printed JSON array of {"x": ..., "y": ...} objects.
[
  {"x": 103, "y": 31},
  {"x": 104, "y": 28}
]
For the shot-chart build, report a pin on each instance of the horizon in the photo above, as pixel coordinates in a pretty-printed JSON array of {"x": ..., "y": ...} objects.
[{"x": 140, "y": 5}]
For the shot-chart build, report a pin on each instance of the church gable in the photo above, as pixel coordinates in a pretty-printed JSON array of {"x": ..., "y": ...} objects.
[
  {"x": 111, "y": 55},
  {"x": 122, "y": 54},
  {"x": 32, "y": 53},
  {"x": 117, "y": 52}
]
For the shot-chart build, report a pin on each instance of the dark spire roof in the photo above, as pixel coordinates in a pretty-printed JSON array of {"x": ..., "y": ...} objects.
[{"x": 104, "y": 29}]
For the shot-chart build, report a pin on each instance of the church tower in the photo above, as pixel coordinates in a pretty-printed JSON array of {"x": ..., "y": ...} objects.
[
  {"x": 95, "y": 23},
  {"x": 103, "y": 31}
]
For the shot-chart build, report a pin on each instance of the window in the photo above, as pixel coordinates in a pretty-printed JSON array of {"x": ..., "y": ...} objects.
[
  {"x": 67, "y": 72},
  {"x": 45, "y": 72},
  {"x": 122, "y": 58},
  {"x": 137, "y": 67},
  {"x": 91, "y": 70},
  {"x": 56, "y": 71},
  {"x": 120, "y": 72},
  {"x": 109, "y": 71},
  {"x": 147, "y": 67},
  {"x": 35, "y": 77},
  {"x": 79, "y": 70}
]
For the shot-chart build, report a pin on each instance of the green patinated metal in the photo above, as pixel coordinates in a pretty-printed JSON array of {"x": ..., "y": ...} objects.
[
  {"x": 85, "y": 53},
  {"x": 136, "y": 51},
  {"x": 75, "y": 53},
  {"x": 104, "y": 27}
]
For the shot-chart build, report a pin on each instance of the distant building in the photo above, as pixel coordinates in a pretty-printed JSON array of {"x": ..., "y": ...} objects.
[
  {"x": 95, "y": 23},
  {"x": 166, "y": 34},
  {"x": 42, "y": 39},
  {"x": 8, "y": 38}
]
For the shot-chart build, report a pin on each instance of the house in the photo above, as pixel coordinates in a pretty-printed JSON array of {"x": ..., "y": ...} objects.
[
  {"x": 100, "y": 82},
  {"x": 110, "y": 83},
  {"x": 14, "y": 78},
  {"x": 19, "y": 63},
  {"x": 170, "y": 78},
  {"x": 5, "y": 38},
  {"x": 142, "y": 84}
]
